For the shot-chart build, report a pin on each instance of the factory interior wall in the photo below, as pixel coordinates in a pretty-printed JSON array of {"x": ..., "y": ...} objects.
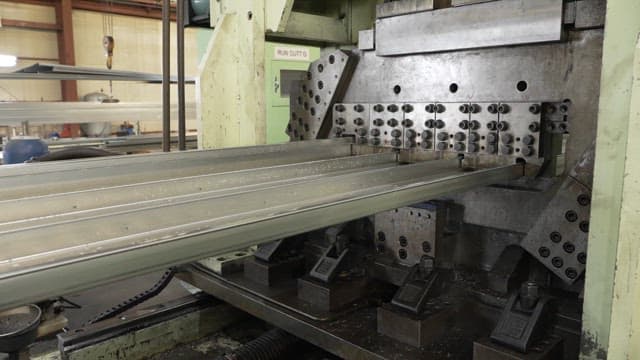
[{"x": 138, "y": 47}]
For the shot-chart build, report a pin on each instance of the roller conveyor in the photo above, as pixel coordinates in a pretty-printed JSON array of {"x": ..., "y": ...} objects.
[{"x": 71, "y": 225}]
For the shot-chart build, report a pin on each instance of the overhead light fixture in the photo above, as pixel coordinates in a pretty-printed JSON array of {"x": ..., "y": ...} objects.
[{"x": 8, "y": 60}]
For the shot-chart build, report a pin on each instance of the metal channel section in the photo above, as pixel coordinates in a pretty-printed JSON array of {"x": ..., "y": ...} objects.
[{"x": 66, "y": 228}]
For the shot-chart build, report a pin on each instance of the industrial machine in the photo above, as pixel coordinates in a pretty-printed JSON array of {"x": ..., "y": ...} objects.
[{"x": 433, "y": 202}]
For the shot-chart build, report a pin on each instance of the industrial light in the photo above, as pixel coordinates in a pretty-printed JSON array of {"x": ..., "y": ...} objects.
[{"x": 8, "y": 60}]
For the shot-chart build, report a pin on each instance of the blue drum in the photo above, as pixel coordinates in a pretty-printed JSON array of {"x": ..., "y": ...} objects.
[{"x": 22, "y": 148}]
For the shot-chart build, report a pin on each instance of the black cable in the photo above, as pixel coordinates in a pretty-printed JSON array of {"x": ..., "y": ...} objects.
[{"x": 136, "y": 300}]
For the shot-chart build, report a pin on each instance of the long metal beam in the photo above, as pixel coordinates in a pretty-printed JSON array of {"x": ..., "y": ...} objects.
[{"x": 60, "y": 238}]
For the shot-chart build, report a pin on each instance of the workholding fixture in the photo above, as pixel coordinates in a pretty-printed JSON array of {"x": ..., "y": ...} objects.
[{"x": 436, "y": 199}]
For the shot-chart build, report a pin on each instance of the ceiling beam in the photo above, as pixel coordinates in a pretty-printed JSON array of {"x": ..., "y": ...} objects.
[
  {"x": 140, "y": 8},
  {"x": 28, "y": 25}
]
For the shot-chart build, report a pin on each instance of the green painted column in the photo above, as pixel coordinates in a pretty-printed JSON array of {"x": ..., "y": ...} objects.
[{"x": 611, "y": 306}]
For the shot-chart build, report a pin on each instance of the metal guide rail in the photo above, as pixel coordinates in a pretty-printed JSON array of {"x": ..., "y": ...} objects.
[{"x": 72, "y": 225}]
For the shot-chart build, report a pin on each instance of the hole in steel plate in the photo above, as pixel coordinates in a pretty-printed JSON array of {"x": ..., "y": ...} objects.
[
  {"x": 453, "y": 88},
  {"x": 522, "y": 86}
]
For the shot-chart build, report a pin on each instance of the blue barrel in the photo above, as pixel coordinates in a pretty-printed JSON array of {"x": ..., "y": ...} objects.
[{"x": 22, "y": 148}]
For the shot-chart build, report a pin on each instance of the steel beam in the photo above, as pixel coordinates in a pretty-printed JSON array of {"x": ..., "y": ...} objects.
[
  {"x": 66, "y": 51},
  {"x": 72, "y": 234}
]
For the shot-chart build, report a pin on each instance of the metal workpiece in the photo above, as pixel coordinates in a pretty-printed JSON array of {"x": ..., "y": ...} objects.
[
  {"x": 513, "y": 22},
  {"x": 312, "y": 103},
  {"x": 94, "y": 236},
  {"x": 20, "y": 181}
]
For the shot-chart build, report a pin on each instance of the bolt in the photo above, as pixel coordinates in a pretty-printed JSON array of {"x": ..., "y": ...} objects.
[
  {"x": 550, "y": 127},
  {"x": 440, "y": 124},
  {"x": 528, "y": 151},
  {"x": 571, "y": 273},
  {"x": 430, "y": 124},
  {"x": 459, "y": 147},
  {"x": 569, "y": 247},
  {"x": 584, "y": 199},
  {"x": 492, "y": 149},
  {"x": 426, "y": 135},
  {"x": 341, "y": 121},
  {"x": 362, "y": 140},
  {"x": 426, "y": 145},
  {"x": 473, "y": 148},
  {"x": 396, "y": 133},
  {"x": 426, "y": 247},
  {"x": 492, "y": 138},
  {"x": 564, "y": 108},
  {"x": 584, "y": 226},
  {"x": 492, "y": 125},
  {"x": 359, "y": 121},
  {"x": 493, "y": 108},
  {"x": 411, "y": 144},
  {"x": 555, "y": 236},
  {"x": 431, "y": 108},
  {"x": 407, "y": 123},
  {"x": 392, "y": 122},
  {"x": 529, "y": 294},
  {"x": 464, "y": 108},
  {"x": 338, "y": 130},
  {"x": 550, "y": 109},
  {"x": 544, "y": 252},
  {"x": 378, "y": 108},
  {"x": 362, "y": 132},
  {"x": 358, "y": 108},
  {"x": 474, "y": 137},
  {"x": 464, "y": 124},
  {"x": 407, "y": 108},
  {"x": 396, "y": 143},
  {"x": 534, "y": 127},
  {"x": 503, "y": 125},
  {"x": 392, "y": 108},
  {"x": 571, "y": 216},
  {"x": 534, "y": 109},
  {"x": 440, "y": 108},
  {"x": 375, "y": 142},
  {"x": 506, "y": 138},
  {"x": 557, "y": 262},
  {"x": 378, "y": 122},
  {"x": 460, "y": 136},
  {"x": 411, "y": 134},
  {"x": 528, "y": 140},
  {"x": 375, "y": 132},
  {"x": 475, "y": 108},
  {"x": 340, "y": 108},
  {"x": 506, "y": 149},
  {"x": 474, "y": 125},
  {"x": 402, "y": 253},
  {"x": 443, "y": 136},
  {"x": 582, "y": 258},
  {"x": 504, "y": 108},
  {"x": 442, "y": 146}
]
